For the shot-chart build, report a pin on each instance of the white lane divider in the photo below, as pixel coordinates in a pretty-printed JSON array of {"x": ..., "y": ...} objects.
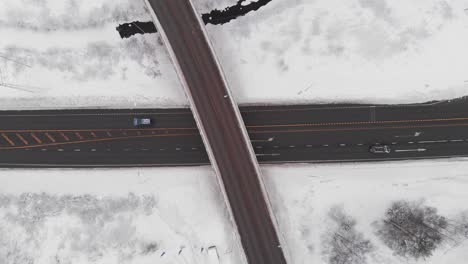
[
  {"x": 432, "y": 141},
  {"x": 411, "y": 150},
  {"x": 272, "y": 154}
]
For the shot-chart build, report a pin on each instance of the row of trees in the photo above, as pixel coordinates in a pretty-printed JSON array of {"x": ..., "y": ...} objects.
[{"x": 409, "y": 229}]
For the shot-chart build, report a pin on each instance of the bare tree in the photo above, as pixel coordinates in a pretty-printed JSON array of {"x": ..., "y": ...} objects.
[
  {"x": 344, "y": 244},
  {"x": 412, "y": 229}
]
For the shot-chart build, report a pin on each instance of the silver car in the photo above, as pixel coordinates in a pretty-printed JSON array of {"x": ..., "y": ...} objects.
[
  {"x": 380, "y": 149},
  {"x": 142, "y": 121}
]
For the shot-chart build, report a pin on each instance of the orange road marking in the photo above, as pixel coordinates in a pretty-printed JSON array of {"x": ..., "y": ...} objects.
[
  {"x": 50, "y": 137},
  {"x": 353, "y": 129},
  {"x": 22, "y": 139},
  {"x": 64, "y": 136},
  {"x": 8, "y": 139},
  {"x": 253, "y": 126},
  {"x": 97, "y": 130},
  {"x": 78, "y": 135},
  {"x": 98, "y": 140},
  {"x": 36, "y": 138},
  {"x": 363, "y": 122}
]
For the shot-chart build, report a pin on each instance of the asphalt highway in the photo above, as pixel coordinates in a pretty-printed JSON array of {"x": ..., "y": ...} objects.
[{"x": 301, "y": 133}]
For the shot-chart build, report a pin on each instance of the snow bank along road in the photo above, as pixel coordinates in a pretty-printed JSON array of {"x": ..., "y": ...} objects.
[
  {"x": 299, "y": 133},
  {"x": 222, "y": 128}
]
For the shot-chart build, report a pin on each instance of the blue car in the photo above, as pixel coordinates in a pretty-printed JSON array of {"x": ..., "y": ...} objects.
[{"x": 142, "y": 121}]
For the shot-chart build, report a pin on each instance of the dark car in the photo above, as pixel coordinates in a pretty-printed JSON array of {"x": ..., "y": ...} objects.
[
  {"x": 142, "y": 121},
  {"x": 380, "y": 149}
]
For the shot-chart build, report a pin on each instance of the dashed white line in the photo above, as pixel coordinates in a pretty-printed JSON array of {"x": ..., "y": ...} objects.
[
  {"x": 77, "y": 150},
  {"x": 178, "y": 149},
  {"x": 325, "y": 145},
  {"x": 360, "y": 144},
  {"x": 60, "y": 150},
  {"x": 432, "y": 141},
  {"x": 456, "y": 140},
  {"x": 194, "y": 148},
  {"x": 93, "y": 150},
  {"x": 292, "y": 146},
  {"x": 309, "y": 146},
  {"x": 276, "y": 146},
  {"x": 342, "y": 145}
]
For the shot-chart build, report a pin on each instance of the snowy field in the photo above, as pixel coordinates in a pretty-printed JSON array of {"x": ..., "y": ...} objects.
[
  {"x": 59, "y": 54},
  {"x": 381, "y": 213},
  {"x": 125, "y": 216}
]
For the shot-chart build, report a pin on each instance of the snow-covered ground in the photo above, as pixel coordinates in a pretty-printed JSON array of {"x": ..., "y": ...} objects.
[
  {"x": 59, "y": 54},
  {"x": 335, "y": 214},
  {"x": 113, "y": 216},
  {"x": 62, "y": 54},
  {"x": 327, "y": 214},
  {"x": 374, "y": 51}
]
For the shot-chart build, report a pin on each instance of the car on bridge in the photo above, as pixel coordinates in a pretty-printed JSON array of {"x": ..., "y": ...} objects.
[{"x": 380, "y": 149}]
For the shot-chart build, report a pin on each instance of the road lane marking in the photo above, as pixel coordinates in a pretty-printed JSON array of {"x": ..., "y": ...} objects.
[
  {"x": 22, "y": 139},
  {"x": 432, "y": 141},
  {"x": 98, "y": 140},
  {"x": 352, "y": 129},
  {"x": 64, "y": 136},
  {"x": 80, "y": 137},
  {"x": 36, "y": 138},
  {"x": 256, "y": 126},
  {"x": 456, "y": 140},
  {"x": 411, "y": 150},
  {"x": 8, "y": 140},
  {"x": 93, "y": 135},
  {"x": 50, "y": 137},
  {"x": 361, "y": 123},
  {"x": 108, "y": 134}
]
